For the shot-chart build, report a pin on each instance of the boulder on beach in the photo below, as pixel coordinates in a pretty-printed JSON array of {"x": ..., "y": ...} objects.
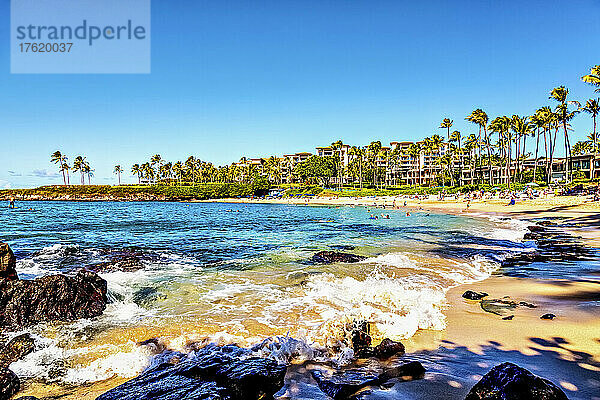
[
  {"x": 360, "y": 337},
  {"x": 51, "y": 298},
  {"x": 8, "y": 263},
  {"x": 328, "y": 257},
  {"x": 9, "y": 383},
  {"x": 388, "y": 348},
  {"x": 213, "y": 372},
  {"x": 342, "y": 385},
  {"x": 548, "y": 316},
  {"x": 471, "y": 295},
  {"x": 508, "y": 381}
]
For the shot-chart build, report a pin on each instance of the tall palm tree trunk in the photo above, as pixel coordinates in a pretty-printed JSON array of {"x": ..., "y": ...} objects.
[
  {"x": 567, "y": 152},
  {"x": 537, "y": 145}
]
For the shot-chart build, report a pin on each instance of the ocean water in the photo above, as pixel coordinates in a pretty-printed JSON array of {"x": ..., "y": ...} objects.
[{"x": 242, "y": 273}]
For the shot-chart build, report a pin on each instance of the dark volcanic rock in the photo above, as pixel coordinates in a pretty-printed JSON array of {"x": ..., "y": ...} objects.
[
  {"x": 9, "y": 383},
  {"x": 498, "y": 306},
  {"x": 548, "y": 316},
  {"x": 388, "y": 348},
  {"x": 51, "y": 298},
  {"x": 328, "y": 257},
  {"x": 471, "y": 295},
  {"x": 17, "y": 348},
  {"x": 536, "y": 228},
  {"x": 210, "y": 373},
  {"x": 361, "y": 338},
  {"x": 552, "y": 245},
  {"x": 405, "y": 372},
  {"x": 344, "y": 384},
  {"x": 8, "y": 263},
  {"x": 510, "y": 382},
  {"x": 127, "y": 259}
]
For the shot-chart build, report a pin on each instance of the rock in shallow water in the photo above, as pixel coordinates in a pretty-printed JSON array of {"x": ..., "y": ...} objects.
[
  {"x": 548, "y": 316},
  {"x": 8, "y": 263},
  {"x": 210, "y": 373},
  {"x": 328, "y": 257},
  {"x": 471, "y": 295},
  {"x": 128, "y": 259},
  {"x": 17, "y": 348},
  {"x": 508, "y": 381},
  {"x": 51, "y": 298}
]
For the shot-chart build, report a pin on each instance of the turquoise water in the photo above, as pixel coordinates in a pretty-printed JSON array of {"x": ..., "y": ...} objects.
[{"x": 242, "y": 273}]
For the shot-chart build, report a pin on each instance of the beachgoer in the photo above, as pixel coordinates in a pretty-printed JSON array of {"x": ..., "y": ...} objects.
[
  {"x": 512, "y": 202},
  {"x": 11, "y": 203}
]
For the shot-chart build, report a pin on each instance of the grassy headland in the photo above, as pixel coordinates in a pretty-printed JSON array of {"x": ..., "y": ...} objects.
[{"x": 135, "y": 192}]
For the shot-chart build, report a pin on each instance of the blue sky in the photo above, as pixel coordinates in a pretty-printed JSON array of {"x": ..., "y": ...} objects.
[{"x": 272, "y": 77}]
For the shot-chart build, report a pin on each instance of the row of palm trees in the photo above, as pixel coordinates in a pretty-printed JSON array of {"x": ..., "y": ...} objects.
[
  {"x": 500, "y": 143},
  {"x": 80, "y": 164}
]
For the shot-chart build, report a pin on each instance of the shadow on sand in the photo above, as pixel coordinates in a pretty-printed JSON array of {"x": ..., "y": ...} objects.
[{"x": 452, "y": 370}]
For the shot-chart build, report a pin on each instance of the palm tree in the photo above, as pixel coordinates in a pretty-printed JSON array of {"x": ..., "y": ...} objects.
[
  {"x": 480, "y": 118},
  {"x": 118, "y": 171},
  {"x": 592, "y": 107},
  {"x": 414, "y": 150},
  {"x": 337, "y": 148},
  {"x": 178, "y": 170},
  {"x": 538, "y": 121},
  {"x": 166, "y": 170},
  {"x": 64, "y": 168},
  {"x": 582, "y": 147},
  {"x": 148, "y": 171},
  {"x": 156, "y": 160},
  {"x": 137, "y": 170},
  {"x": 456, "y": 137},
  {"x": 436, "y": 145},
  {"x": 373, "y": 150},
  {"x": 59, "y": 159},
  {"x": 447, "y": 124},
  {"x": 521, "y": 127},
  {"x": 79, "y": 165},
  {"x": 358, "y": 153},
  {"x": 560, "y": 94},
  {"x": 87, "y": 170},
  {"x": 593, "y": 78},
  {"x": 501, "y": 126},
  {"x": 471, "y": 146}
]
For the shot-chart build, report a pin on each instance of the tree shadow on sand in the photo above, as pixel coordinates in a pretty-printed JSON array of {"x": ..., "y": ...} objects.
[{"x": 452, "y": 370}]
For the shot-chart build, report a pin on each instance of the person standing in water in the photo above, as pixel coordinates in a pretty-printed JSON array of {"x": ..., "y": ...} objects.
[{"x": 11, "y": 203}]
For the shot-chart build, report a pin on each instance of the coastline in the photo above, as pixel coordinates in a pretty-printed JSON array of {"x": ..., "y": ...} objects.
[{"x": 473, "y": 341}]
